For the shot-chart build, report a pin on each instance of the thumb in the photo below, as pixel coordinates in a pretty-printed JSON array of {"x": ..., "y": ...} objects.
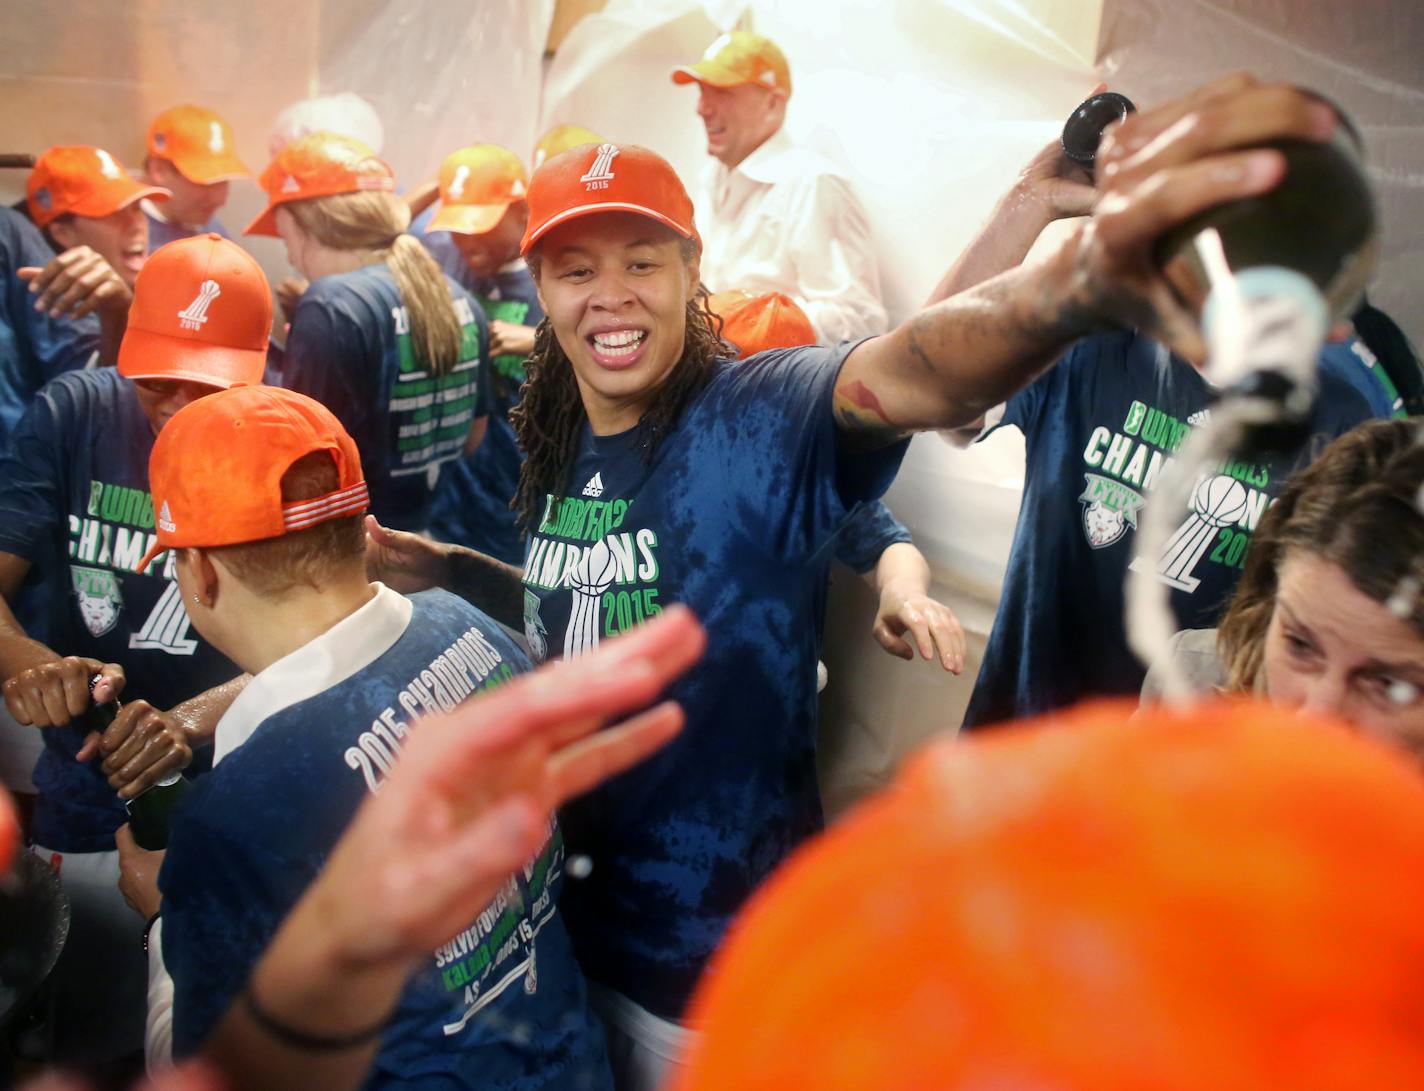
[{"x": 90, "y": 748}]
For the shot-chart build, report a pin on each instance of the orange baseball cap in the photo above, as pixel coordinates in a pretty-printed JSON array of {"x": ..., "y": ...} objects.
[
  {"x": 477, "y": 186},
  {"x": 756, "y": 323},
  {"x": 202, "y": 312},
  {"x": 318, "y": 165},
  {"x": 560, "y": 139},
  {"x": 83, "y": 180},
  {"x": 1220, "y": 899},
  {"x": 198, "y": 143},
  {"x": 216, "y": 469},
  {"x": 737, "y": 58},
  {"x": 606, "y": 178}
]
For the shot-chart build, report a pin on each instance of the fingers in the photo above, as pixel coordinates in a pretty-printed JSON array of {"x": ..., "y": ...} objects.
[
  {"x": 141, "y": 747},
  {"x": 588, "y": 763},
  {"x": 53, "y": 693},
  {"x": 948, "y": 637},
  {"x": 892, "y": 643},
  {"x": 89, "y": 748}
]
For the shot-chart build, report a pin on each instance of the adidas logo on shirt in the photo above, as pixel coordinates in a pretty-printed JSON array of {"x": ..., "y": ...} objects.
[
  {"x": 1199, "y": 418},
  {"x": 594, "y": 486}
]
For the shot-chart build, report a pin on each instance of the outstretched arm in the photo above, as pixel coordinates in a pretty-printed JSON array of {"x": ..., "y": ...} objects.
[{"x": 952, "y": 362}]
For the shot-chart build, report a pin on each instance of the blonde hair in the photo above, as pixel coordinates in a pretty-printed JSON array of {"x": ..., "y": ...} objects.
[{"x": 375, "y": 220}]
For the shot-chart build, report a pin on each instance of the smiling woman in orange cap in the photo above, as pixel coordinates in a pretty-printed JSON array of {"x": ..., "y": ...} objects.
[
  {"x": 658, "y": 472},
  {"x": 381, "y": 337},
  {"x": 74, "y": 486}
]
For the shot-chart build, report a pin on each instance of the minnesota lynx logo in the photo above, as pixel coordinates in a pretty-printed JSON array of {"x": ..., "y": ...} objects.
[
  {"x": 601, "y": 173},
  {"x": 1109, "y": 508},
  {"x": 195, "y": 313},
  {"x": 97, "y": 590},
  {"x": 535, "y": 631}
]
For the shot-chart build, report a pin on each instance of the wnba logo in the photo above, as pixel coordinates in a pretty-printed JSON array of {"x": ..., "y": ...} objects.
[
  {"x": 1218, "y": 501},
  {"x": 195, "y": 313},
  {"x": 601, "y": 173}
]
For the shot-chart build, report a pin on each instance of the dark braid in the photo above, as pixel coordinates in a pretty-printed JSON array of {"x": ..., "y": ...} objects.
[{"x": 550, "y": 413}]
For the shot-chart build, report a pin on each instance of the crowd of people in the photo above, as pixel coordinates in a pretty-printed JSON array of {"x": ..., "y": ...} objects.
[{"x": 519, "y": 453}]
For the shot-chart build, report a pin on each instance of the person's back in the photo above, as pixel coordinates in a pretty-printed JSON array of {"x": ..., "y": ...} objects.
[
  {"x": 342, "y": 669},
  {"x": 1100, "y": 427}
]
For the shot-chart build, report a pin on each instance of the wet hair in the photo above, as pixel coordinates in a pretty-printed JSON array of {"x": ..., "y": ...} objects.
[
  {"x": 550, "y": 413},
  {"x": 376, "y": 220},
  {"x": 1354, "y": 506},
  {"x": 304, "y": 558}
]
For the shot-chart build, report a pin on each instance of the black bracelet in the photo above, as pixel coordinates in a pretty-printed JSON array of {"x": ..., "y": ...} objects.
[{"x": 300, "y": 1039}]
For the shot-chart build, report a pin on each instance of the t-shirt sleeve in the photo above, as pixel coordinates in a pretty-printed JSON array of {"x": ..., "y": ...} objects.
[
  {"x": 325, "y": 359},
  {"x": 57, "y": 344},
  {"x": 33, "y": 479},
  {"x": 789, "y": 483},
  {"x": 868, "y": 532},
  {"x": 218, "y": 917}
]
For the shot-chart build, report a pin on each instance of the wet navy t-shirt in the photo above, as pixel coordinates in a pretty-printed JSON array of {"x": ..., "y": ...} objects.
[
  {"x": 74, "y": 485},
  {"x": 471, "y": 505},
  {"x": 162, "y": 232},
  {"x": 734, "y": 517},
  {"x": 350, "y": 348},
  {"x": 503, "y": 1005},
  {"x": 1100, "y": 426}
]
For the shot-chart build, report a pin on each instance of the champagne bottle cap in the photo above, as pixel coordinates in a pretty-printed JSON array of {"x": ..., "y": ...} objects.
[{"x": 1083, "y": 130}]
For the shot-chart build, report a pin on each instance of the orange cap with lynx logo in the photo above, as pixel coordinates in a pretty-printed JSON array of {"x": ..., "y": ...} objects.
[
  {"x": 83, "y": 180},
  {"x": 198, "y": 143},
  {"x": 319, "y": 165}
]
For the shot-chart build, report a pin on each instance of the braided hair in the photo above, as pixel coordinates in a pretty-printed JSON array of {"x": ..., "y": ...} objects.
[{"x": 550, "y": 414}]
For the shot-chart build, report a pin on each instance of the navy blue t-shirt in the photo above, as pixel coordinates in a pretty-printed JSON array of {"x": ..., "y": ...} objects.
[
  {"x": 1353, "y": 363},
  {"x": 34, "y": 347},
  {"x": 870, "y": 530},
  {"x": 350, "y": 348},
  {"x": 75, "y": 483},
  {"x": 471, "y": 504},
  {"x": 161, "y": 232},
  {"x": 733, "y": 516},
  {"x": 501, "y": 1006},
  {"x": 1100, "y": 426}
]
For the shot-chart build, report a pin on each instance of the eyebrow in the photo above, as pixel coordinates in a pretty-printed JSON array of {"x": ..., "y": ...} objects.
[{"x": 1375, "y": 666}]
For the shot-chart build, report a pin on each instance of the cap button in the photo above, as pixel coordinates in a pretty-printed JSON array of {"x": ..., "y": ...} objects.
[{"x": 214, "y": 236}]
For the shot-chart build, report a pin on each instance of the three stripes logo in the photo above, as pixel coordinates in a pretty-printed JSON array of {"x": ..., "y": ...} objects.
[
  {"x": 601, "y": 172},
  {"x": 594, "y": 486},
  {"x": 195, "y": 313}
]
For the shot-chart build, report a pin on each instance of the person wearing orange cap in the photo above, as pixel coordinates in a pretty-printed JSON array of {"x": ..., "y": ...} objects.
[
  {"x": 474, "y": 235},
  {"x": 1219, "y": 899},
  {"x": 262, "y": 496},
  {"x": 657, "y": 471},
  {"x": 381, "y": 337},
  {"x": 561, "y": 138},
  {"x": 774, "y": 217},
  {"x": 74, "y": 485},
  {"x": 873, "y": 542},
  {"x": 191, "y": 155}
]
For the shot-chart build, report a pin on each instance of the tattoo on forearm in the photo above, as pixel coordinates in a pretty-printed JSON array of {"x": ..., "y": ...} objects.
[{"x": 859, "y": 415}]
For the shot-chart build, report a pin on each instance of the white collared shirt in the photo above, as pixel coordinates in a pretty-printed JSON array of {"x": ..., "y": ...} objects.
[
  {"x": 785, "y": 220},
  {"x": 349, "y": 646}
]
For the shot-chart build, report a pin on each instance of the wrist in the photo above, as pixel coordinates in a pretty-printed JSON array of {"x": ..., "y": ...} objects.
[{"x": 1068, "y": 306}]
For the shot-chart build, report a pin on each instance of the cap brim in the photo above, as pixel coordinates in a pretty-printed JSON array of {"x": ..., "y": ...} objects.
[
  {"x": 149, "y": 557},
  {"x": 113, "y": 198},
  {"x": 606, "y": 206},
  {"x": 468, "y": 219},
  {"x": 144, "y": 354},
  {"x": 209, "y": 169},
  {"x": 706, "y": 72},
  {"x": 265, "y": 222}
]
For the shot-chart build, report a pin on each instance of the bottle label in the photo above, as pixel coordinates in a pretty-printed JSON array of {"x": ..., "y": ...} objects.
[{"x": 1267, "y": 318}]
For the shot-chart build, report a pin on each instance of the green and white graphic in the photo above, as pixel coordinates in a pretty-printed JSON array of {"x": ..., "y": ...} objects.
[
  {"x": 100, "y": 600},
  {"x": 166, "y": 628}
]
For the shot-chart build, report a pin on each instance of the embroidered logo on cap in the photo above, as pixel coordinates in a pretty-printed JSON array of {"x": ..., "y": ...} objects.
[
  {"x": 601, "y": 173},
  {"x": 43, "y": 199},
  {"x": 165, "y": 519},
  {"x": 195, "y": 313},
  {"x": 291, "y": 185},
  {"x": 107, "y": 167},
  {"x": 215, "y": 137},
  {"x": 457, "y": 184}
]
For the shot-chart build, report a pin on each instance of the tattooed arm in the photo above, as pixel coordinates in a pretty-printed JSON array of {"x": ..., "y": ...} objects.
[
  {"x": 409, "y": 563},
  {"x": 952, "y": 362}
]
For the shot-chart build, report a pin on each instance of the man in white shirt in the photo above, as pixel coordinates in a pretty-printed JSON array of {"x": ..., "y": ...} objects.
[{"x": 774, "y": 217}]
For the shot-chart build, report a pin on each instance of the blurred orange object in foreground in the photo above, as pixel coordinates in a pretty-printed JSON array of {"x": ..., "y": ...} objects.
[{"x": 1223, "y": 899}]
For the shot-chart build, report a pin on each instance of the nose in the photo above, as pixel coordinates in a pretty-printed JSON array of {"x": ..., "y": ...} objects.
[
  {"x": 611, "y": 291},
  {"x": 184, "y": 393},
  {"x": 1326, "y": 695},
  {"x": 704, "y": 104}
]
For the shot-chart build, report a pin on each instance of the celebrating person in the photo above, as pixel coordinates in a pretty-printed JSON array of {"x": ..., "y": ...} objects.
[{"x": 191, "y": 155}]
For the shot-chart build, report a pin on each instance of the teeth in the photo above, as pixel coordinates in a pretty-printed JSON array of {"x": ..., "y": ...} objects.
[{"x": 619, "y": 343}]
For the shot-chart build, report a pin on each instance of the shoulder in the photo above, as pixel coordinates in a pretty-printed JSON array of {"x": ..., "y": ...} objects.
[
  {"x": 447, "y": 618},
  {"x": 1192, "y": 653},
  {"x": 82, "y": 390}
]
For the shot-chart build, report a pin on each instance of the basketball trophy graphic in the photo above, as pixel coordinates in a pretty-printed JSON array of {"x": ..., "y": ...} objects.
[
  {"x": 588, "y": 580},
  {"x": 1217, "y": 501}
]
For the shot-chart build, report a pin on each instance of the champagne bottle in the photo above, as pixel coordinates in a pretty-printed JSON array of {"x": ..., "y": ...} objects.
[
  {"x": 1083, "y": 131},
  {"x": 151, "y": 811},
  {"x": 1269, "y": 274}
]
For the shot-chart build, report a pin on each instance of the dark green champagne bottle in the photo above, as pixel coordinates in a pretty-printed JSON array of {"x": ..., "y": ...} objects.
[{"x": 151, "y": 811}]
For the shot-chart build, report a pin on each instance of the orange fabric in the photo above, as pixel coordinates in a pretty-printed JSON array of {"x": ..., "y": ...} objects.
[
  {"x": 738, "y": 58},
  {"x": 560, "y": 139},
  {"x": 606, "y": 178},
  {"x": 756, "y": 323},
  {"x": 202, "y": 312},
  {"x": 477, "y": 186},
  {"x": 198, "y": 142},
  {"x": 216, "y": 468},
  {"x": 83, "y": 180},
  {"x": 318, "y": 165},
  {"x": 9, "y": 830},
  {"x": 1218, "y": 900}
]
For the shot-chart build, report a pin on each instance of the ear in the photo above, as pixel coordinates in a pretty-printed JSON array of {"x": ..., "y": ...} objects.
[
  {"x": 63, "y": 233},
  {"x": 208, "y": 575}
]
